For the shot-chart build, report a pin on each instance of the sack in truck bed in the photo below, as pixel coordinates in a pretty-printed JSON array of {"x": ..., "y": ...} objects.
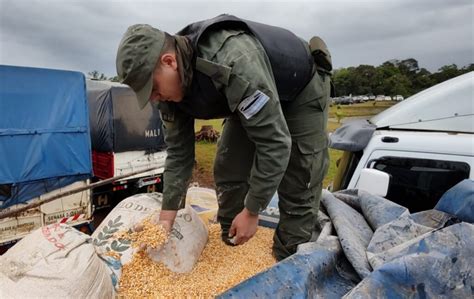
[
  {"x": 187, "y": 239},
  {"x": 55, "y": 261}
]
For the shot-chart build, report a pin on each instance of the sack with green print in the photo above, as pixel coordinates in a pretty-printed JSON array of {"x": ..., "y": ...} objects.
[{"x": 186, "y": 241}]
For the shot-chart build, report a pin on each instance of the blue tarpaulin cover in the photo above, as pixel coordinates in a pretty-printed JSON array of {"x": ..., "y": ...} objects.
[
  {"x": 370, "y": 247},
  {"x": 44, "y": 132}
]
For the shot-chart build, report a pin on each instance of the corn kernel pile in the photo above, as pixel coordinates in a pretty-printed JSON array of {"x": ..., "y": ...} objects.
[
  {"x": 150, "y": 234},
  {"x": 219, "y": 268}
]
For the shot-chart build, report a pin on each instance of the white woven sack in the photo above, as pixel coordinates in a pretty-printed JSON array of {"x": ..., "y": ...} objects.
[
  {"x": 188, "y": 236},
  {"x": 186, "y": 243},
  {"x": 55, "y": 261}
]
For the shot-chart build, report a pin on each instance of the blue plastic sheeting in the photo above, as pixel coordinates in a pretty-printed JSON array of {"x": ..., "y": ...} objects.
[
  {"x": 373, "y": 248},
  {"x": 459, "y": 201},
  {"x": 353, "y": 231},
  {"x": 44, "y": 132},
  {"x": 312, "y": 273},
  {"x": 439, "y": 264}
]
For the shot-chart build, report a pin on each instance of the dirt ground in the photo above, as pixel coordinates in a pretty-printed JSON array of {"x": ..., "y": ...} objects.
[{"x": 203, "y": 177}]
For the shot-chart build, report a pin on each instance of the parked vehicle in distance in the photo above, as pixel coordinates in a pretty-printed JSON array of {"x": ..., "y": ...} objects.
[
  {"x": 345, "y": 100},
  {"x": 398, "y": 98},
  {"x": 360, "y": 99},
  {"x": 414, "y": 151},
  {"x": 380, "y": 98}
]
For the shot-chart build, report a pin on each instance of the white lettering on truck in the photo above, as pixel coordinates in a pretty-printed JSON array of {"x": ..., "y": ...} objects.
[{"x": 152, "y": 133}]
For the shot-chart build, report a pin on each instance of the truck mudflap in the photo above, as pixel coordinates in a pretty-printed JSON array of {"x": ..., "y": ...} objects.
[
  {"x": 75, "y": 209},
  {"x": 377, "y": 250}
]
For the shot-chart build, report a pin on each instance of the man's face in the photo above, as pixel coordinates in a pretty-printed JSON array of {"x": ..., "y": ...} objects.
[{"x": 166, "y": 80}]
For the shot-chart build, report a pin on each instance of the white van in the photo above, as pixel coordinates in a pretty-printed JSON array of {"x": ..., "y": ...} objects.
[
  {"x": 398, "y": 98},
  {"x": 414, "y": 151}
]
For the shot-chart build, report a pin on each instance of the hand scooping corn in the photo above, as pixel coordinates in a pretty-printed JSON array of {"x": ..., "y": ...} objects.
[
  {"x": 145, "y": 235},
  {"x": 150, "y": 235}
]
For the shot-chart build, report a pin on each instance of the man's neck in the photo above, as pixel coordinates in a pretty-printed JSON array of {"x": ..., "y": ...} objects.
[{"x": 184, "y": 55}]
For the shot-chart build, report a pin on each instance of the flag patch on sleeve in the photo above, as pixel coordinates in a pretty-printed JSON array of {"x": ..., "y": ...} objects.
[{"x": 252, "y": 104}]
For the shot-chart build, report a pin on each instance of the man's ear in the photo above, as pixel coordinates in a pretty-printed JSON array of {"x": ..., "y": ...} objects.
[{"x": 169, "y": 60}]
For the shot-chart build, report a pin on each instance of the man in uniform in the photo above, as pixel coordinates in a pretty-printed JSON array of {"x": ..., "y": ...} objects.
[{"x": 271, "y": 87}]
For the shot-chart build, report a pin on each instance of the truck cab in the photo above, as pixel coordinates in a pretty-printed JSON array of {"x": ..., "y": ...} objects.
[{"x": 414, "y": 151}]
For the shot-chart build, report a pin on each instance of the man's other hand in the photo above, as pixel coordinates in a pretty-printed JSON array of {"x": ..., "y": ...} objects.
[{"x": 243, "y": 227}]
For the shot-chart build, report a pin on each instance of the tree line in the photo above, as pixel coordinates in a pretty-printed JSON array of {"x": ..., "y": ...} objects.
[
  {"x": 96, "y": 75},
  {"x": 393, "y": 77}
]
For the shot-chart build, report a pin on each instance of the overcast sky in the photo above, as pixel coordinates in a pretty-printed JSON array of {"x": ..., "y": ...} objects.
[{"x": 83, "y": 35}]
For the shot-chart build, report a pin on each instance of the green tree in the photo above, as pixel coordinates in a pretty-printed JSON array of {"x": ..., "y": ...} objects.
[
  {"x": 445, "y": 73},
  {"x": 398, "y": 84},
  {"x": 468, "y": 68},
  {"x": 114, "y": 79},
  {"x": 363, "y": 79},
  {"x": 421, "y": 81},
  {"x": 95, "y": 75},
  {"x": 341, "y": 80},
  {"x": 393, "y": 77}
]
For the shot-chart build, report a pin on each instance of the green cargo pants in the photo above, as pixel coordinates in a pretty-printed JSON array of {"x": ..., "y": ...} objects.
[{"x": 300, "y": 189}]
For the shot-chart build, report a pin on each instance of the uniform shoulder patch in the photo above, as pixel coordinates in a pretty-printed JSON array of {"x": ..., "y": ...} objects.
[{"x": 253, "y": 104}]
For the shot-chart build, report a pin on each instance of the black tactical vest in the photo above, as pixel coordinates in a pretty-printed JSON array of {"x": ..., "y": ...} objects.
[{"x": 289, "y": 57}]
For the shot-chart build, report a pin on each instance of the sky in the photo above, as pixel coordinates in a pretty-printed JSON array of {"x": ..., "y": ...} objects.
[{"x": 84, "y": 35}]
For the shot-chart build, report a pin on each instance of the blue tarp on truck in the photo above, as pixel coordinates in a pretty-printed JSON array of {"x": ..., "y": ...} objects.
[{"x": 44, "y": 132}]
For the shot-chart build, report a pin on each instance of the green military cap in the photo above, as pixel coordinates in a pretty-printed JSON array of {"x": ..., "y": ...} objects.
[{"x": 137, "y": 55}]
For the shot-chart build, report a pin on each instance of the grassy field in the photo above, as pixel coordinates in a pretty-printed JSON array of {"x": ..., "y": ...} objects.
[
  {"x": 361, "y": 109},
  {"x": 205, "y": 151}
]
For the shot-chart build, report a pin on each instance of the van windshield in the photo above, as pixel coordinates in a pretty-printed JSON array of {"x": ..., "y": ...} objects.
[{"x": 418, "y": 184}]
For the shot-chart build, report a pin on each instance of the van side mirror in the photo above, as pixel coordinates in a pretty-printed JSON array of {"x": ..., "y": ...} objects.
[{"x": 374, "y": 181}]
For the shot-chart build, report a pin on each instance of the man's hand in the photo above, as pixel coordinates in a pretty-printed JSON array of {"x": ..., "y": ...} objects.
[
  {"x": 166, "y": 219},
  {"x": 243, "y": 227}
]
